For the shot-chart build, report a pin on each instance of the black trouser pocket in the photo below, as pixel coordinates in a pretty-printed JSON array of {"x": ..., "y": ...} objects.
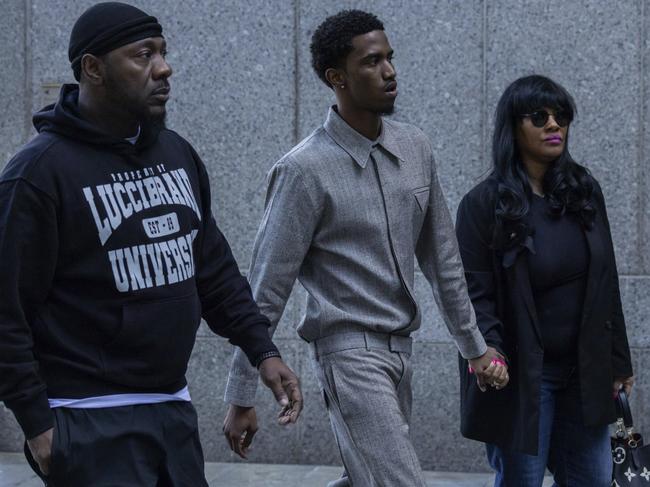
[
  {"x": 33, "y": 464},
  {"x": 48, "y": 480}
]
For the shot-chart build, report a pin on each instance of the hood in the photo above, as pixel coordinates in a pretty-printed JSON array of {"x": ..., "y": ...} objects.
[{"x": 63, "y": 118}]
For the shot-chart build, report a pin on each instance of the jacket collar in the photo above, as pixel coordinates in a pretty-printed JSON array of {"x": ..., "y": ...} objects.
[{"x": 358, "y": 146}]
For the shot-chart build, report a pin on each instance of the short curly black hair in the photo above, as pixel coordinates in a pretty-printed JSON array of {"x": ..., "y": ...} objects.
[{"x": 332, "y": 40}]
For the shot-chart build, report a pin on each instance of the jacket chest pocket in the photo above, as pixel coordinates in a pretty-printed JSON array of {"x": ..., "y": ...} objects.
[
  {"x": 420, "y": 202},
  {"x": 421, "y": 196}
]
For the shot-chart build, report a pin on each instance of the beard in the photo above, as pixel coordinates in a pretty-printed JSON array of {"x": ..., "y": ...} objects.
[
  {"x": 387, "y": 111},
  {"x": 134, "y": 106},
  {"x": 383, "y": 108},
  {"x": 154, "y": 124}
]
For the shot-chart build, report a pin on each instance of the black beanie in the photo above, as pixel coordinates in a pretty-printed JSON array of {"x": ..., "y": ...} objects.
[{"x": 107, "y": 26}]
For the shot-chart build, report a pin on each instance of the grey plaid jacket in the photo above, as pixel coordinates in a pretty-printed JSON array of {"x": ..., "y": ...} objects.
[{"x": 347, "y": 216}]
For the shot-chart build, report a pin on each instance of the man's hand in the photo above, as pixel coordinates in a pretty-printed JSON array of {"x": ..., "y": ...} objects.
[
  {"x": 239, "y": 427},
  {"x": 626, "y": 383},
  {"x": 285, "y": 387},
  {"x": 41, "y": 448},
  {"x": 490, "y": 368}
]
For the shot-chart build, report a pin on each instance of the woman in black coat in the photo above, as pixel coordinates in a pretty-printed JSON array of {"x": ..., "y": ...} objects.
[{"x": 539, "y": 263}]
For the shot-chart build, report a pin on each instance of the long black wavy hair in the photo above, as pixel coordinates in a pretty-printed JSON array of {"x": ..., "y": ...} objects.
[{"x": 567, "y": 185}]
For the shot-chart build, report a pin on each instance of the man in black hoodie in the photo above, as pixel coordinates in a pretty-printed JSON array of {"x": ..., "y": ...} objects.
[{"x": 109, "y": 257}]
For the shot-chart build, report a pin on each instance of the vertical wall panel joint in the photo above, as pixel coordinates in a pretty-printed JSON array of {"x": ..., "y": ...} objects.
[
  {"x": 485, "y": 160},
  {"x": 642, "y": 178},
  {"x": 296, "y": 76},
  {"x": 27, "y": 70}
]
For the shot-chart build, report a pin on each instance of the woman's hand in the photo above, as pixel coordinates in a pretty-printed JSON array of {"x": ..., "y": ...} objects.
[
  {"x": 626, "y": 383},
  {"x": 497, "y": 374},
  {"x": 490, "y": 368}
]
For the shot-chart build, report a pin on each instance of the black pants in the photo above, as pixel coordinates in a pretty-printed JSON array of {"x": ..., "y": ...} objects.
[{"x": 151, "y": 445}]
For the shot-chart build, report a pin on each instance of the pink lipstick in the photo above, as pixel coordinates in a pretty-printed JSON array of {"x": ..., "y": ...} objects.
[{"x": 554, "y": 139}]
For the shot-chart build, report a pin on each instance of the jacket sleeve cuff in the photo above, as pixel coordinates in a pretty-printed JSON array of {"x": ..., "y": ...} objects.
[
  {"x": 622, "y": 371},
  {"x": 471, "y": 345},
  {"x": 257, "y": 344},
  {"x": 33, "y": 415},
  {"x": 270, "y": 354},
  {"x": 241, "y": 390}
]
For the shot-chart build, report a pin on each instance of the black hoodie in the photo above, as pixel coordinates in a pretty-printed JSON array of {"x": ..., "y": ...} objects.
[{"x": 109, "y": 257}]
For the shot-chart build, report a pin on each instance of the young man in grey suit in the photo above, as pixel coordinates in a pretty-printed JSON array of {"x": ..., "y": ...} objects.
[{"x": 346, "y": 211}]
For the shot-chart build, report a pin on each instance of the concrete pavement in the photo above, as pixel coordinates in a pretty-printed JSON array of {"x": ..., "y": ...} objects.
[{"x": 14, "y": 472}]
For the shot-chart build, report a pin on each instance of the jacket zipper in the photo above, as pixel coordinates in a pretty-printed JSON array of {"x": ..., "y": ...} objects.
[{"x": 392, "y": 249}]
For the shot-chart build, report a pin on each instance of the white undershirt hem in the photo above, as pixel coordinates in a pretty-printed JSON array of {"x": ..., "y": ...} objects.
[{"x": 117, "y": 400}]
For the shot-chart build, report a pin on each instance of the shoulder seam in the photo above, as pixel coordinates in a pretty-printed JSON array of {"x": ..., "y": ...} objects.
[
  {"x": 300, "y": 144},
  {"x": 31, "y": 185},
  {"x": 43, "y": 151},
  {"x": 290, "y": 162}
]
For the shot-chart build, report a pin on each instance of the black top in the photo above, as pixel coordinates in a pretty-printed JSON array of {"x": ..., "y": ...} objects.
[
  {"x": 109, "y": 257},
  {"x": 558, "y": 277}
]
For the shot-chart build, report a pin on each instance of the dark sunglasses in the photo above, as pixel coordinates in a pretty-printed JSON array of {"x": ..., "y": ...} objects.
[{"x": 540, "y": 117}]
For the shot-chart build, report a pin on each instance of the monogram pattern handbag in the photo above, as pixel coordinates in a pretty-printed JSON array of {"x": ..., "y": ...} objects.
[{"x": 631, "y": 458}]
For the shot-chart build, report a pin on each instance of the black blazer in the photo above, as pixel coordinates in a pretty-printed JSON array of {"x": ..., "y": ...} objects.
[{"x": 500, "y": 290}]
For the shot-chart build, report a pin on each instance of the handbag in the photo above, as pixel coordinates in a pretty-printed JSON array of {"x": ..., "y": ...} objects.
[{"x": 631, "y": 458}]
